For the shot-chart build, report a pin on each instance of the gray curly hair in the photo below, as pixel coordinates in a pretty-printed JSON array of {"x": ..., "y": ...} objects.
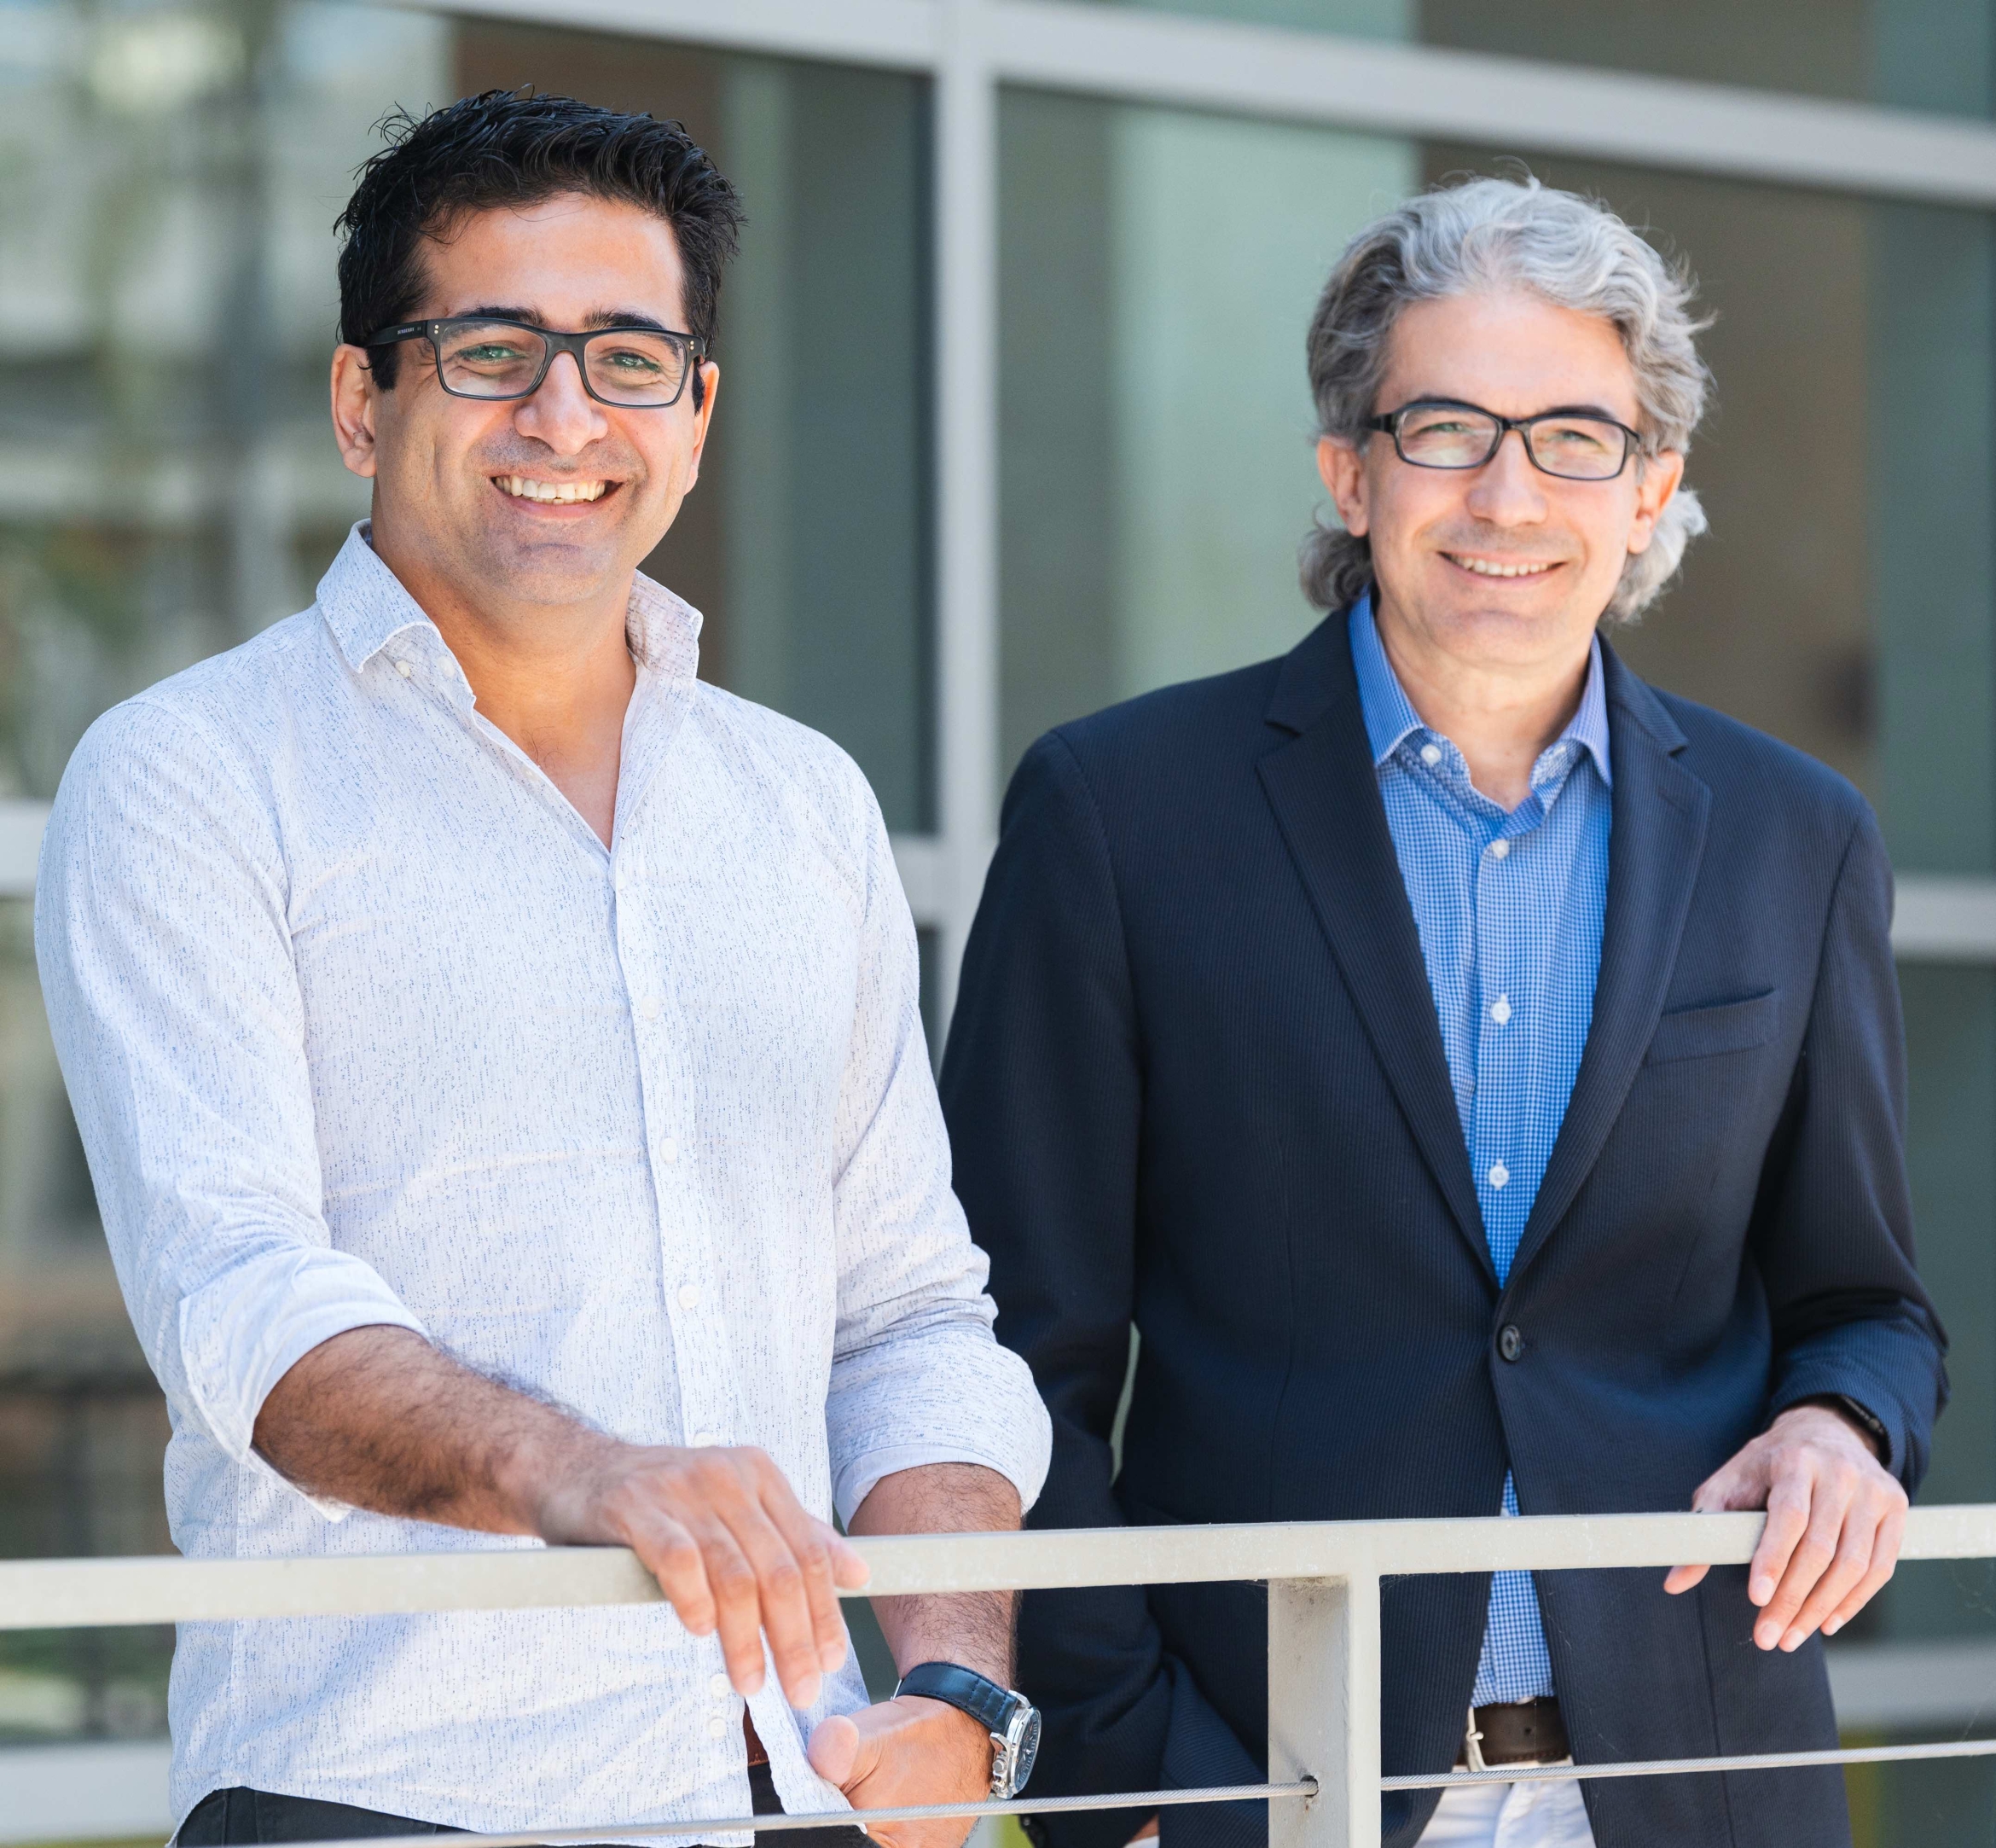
[{"x": 1488, "y": 234}]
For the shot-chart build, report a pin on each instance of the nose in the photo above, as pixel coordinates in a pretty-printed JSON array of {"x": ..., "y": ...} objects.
[
  {"x": 562, "y": 414},
  {"x": 1506, "y": 491}
]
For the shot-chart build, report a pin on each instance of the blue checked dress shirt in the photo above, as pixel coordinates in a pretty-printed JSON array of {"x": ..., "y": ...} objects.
[{"x": 1510, "y": 909}]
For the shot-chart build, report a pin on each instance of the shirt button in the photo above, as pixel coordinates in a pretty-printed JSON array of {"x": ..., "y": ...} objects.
[
  {"x": 1498, "y": 1174},
  {"x": 649, "y": 1006},
  {"x": 717, "y": 1727},
  {"x": 704, "y": 1439},
  {"x": 689, "y": 1296},
  {"x": 1511, "y": 1343},
  {"x": 1430, "y": 754},
  {"x": 1500, "y": 1010},
  {"x": 669, "y": 1151},
  {"x": 402, "y": 668},
  {"x": 720, "y": 1687},
  {"x": 1499, "y": 849}
]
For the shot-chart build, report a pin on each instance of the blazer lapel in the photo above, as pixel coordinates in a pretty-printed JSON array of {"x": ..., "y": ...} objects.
[
  {"x": 1322, "y": 786},
  {"x": 1656, "y": 840}
]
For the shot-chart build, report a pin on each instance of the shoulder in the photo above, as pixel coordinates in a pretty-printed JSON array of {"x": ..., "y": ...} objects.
[
  {"x": 1141, "y": 750},
  {"x": 218, "y": 714},
  {"x": 1741, "y": 763},
  {"x": 793, "y": 774}
]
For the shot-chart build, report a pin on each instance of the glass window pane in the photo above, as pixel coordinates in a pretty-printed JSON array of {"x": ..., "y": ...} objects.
[
  {"x": 1938, "y": 55},
  {"x": 1157, "y": 269}
]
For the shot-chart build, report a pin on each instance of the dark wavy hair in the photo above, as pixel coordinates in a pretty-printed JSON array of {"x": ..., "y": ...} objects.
[{"x": 512, "y": 148}]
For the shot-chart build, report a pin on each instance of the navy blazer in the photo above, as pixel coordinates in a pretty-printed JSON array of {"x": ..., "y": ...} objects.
[{"x": 1195, "y": 1081}]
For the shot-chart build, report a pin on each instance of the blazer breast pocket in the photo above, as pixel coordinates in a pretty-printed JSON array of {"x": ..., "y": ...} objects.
[{"x": 1705, "y": 1032}]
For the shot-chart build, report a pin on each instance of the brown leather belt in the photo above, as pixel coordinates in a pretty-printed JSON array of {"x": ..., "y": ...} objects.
[
  {"x": 1516, "y": 1732},
  {"x": 758, "y": 1753}
]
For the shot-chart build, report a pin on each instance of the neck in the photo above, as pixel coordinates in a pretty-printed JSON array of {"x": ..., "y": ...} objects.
[
  {"x": 556, "y": 678},
  {"x": 1500, "y": 715}
]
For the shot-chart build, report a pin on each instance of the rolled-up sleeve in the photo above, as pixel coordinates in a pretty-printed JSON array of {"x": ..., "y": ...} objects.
[
  {"x": 166, "y": 959},
  {"x": 918, "y": 1376}
]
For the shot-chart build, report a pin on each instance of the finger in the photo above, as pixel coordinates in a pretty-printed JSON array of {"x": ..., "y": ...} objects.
[
  {"x": 834, "y": 1750},
  {"x": 738, "y": 1609},
  {"x": 666, "y": 1550},
  {"x": 1884, "y": 1561},
  {"x": 1788, "y": 1520},
  {"x": 1846, "y": 1571},
  {"x": 1811, "y": 1557},
  {"x": 809, "y": 1541},
  {"x": 1681, "y": 1578},
  {"x": 779, "y": 1590}
]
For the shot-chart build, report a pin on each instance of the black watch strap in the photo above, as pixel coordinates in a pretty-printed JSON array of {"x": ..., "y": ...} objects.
[{"x": 983, "y": 1700}]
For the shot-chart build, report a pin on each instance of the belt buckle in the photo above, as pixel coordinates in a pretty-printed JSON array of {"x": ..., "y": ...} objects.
[{"x": 1472, "y": 1745}]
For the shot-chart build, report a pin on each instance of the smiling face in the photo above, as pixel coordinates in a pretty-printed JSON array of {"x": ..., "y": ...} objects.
[
  {"x": 1500, "y": 567},
  {"x": 517, "y": 507}
]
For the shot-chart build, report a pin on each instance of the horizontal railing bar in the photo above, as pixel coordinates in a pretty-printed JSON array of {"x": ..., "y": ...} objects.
[
  {"x": 66, "y": 1594},
  {"x": 1752, "y": 1761},
  {"x": 918, "y": 1812}
]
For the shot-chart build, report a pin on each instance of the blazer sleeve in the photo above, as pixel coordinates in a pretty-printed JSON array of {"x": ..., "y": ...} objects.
[
  {"x": 1833, "y": 1231},
  {"x": 1043, "y": 1091}
]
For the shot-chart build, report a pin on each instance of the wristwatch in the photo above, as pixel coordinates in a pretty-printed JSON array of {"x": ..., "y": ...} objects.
[{"x": 1011, "y": 1720}]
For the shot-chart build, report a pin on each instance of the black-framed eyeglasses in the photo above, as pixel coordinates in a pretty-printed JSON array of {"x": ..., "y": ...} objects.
[
  {"x": 632, "y": 368},
  {"x": 1576, "y": 446}
]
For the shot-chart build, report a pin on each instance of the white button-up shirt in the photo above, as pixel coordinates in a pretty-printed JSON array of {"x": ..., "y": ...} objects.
[{"x": 362, "y": 1024}]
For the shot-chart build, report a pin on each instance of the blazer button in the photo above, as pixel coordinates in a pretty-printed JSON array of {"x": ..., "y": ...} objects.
[{"x": 1511, "y": 1343}]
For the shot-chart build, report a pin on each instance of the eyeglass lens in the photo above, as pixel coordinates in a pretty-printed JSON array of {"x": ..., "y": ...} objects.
[
  {"x": 1446, "y": 436},
  {"x": 495, "y": 359}
]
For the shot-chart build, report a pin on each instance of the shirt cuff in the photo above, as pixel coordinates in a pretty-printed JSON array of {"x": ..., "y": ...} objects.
[{"x": 241, "y": 1332}]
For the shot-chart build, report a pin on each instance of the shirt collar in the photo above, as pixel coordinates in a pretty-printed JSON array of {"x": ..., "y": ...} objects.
[
  {"x": 366, "y": 607},
  {"x": 1390, "y": 716}
]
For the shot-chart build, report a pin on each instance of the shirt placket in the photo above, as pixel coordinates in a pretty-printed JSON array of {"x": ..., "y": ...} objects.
[
  {"x": 1499, "y": 1042},
  {"x": 702, "y": 1353}
]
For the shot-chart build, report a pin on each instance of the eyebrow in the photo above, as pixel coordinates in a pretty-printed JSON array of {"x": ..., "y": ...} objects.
[
  {"x": 596, "y": 319},
  {"x": 1554, "y": 410}
]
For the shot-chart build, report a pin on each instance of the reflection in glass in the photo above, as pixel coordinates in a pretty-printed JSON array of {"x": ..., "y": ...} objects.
[{"x": 1157, "y": 271}]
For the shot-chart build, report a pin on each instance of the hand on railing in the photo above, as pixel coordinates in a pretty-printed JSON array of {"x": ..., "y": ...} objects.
[
  {"x": 904, "y": 1751},
  {"x": 1834, "y": 1520}
]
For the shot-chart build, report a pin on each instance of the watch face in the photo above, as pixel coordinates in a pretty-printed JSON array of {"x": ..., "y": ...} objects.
[{"x": 1025, "y": 1750}]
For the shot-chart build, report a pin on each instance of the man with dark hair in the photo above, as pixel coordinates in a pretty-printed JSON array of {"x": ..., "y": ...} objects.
[
  {"x": 1479, "y": 1079},
  {"x": 499, "y": 1060}
]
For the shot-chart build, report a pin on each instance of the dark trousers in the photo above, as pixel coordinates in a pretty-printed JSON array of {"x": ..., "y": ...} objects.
[{"x": 227, "y": 1818}]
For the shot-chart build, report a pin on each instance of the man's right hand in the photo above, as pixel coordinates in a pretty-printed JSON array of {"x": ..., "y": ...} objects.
[
  {"x": 378, "y": 1418},
  {"x": 731, "y": 1547}
]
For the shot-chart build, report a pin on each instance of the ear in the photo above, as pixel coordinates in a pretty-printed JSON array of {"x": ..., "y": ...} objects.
[
  {"x": 704, "y": 417},
  {"x": 1659, "y": 479},
  {"x": 353, "y": 408},
  {"x": 1342, "y": 466}
]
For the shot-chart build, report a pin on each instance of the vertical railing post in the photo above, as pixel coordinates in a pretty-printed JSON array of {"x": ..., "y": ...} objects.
[{"x": 1324, "y": 1710}]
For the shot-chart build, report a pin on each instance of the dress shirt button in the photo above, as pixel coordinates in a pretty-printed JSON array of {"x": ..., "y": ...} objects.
[
  {"x": 1499, "y": 849},
  {"x": 1498, "y": 1174},
  {"x": 402, "y": 668},
  {"x": 689, "y": 1296},
  {"x": 1430, "y": 754},
  {"x": 649, "y": 1006},
  {"x": 720, "y": 1687},
  {"x": 705, "y": 1439},
  {"x": 717, "y": 1727},
  {"x": 1511, "y": 1343},
  {"x": 669, "y": 1151},
  {"x": 1500, "y": 1010}
]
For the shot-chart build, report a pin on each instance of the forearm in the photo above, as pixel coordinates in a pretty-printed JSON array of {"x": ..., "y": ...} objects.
[
  {"x": 971, "y": 1629},
  {"x": 378, "y": 1418}
]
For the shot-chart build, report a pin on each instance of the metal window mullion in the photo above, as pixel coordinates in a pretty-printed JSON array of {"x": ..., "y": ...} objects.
[{"x": 966, "y": 195}]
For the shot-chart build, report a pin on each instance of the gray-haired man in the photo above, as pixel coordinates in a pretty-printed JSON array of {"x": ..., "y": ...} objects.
[{"x": 1478, "y": 1076}]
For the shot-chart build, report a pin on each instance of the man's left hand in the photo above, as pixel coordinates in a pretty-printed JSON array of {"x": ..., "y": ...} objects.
[
  {"x": 1835, "y": 1518},
  {"x": 903, "y": 1751}
]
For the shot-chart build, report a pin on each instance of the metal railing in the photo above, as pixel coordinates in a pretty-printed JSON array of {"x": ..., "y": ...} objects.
[{"x": 1324, "y": 1779}]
